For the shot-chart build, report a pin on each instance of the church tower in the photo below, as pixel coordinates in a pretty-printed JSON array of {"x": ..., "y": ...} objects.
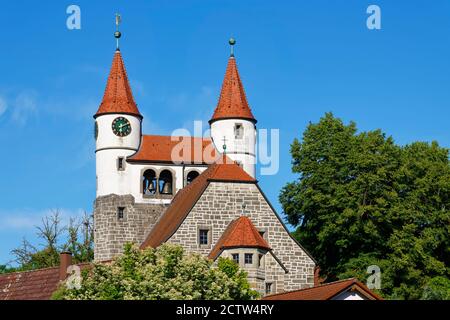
[
  {"x": 118, "y": 131},
  {"x": 233, "y": 126},
  {"x": 118, "y": 219}
]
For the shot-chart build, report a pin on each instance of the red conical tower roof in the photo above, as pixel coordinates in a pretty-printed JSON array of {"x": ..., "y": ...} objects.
[
  {"x": 118, "y": 97},
  {"x": 232, "y": 102},
  {"x": 240, "y": 233}
]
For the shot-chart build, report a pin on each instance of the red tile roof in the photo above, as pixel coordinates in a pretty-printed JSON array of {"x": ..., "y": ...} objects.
[
  {"x": 31, "y": 285},
  {"x": 118, "y": 97},
  {"x": 175, "y": 150},
  {"x": 187, "y": 197},
  {"x": 327, "y": 291},
  {"x": 232, "y": 102},
  {"x": 240, "y": 233}
]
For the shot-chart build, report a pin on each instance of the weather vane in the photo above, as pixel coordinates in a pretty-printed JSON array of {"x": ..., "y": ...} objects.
[
  {"x": 232, "y": 42},
  {"x": 117, "y": 34}
]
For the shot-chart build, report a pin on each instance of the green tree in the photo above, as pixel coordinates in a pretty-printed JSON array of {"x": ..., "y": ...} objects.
[
  {"x": 76, "y": 237},
  {"x": 360, "y": 199},
  {"x": 163, "y": 273}
]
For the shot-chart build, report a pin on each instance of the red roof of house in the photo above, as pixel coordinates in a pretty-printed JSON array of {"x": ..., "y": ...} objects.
[
  {"x": 326, "y": 291},
  {"x": 232, "y": 102},
  {"x": 187, "y": 197},
  {"x": 118, "y": 97},
  {"x": 31, "y": 285},
  {"x": 175, "y": 149},
  {"x": 240, "y": 233}
]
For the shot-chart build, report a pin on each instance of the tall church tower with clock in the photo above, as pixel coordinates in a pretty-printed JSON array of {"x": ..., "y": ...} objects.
[{"x": 118, "y": 125}]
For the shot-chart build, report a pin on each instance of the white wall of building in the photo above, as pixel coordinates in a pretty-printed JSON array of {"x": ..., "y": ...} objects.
[
  {"x": 349, "y": 295},
  {"x": 109, "y": 148},
  {"x": 242, "y": 150}
]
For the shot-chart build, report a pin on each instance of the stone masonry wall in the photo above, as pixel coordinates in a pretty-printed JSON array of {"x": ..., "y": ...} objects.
[
  {"x": 220, "y": 204},
  {"x": 110, "y": 233}
]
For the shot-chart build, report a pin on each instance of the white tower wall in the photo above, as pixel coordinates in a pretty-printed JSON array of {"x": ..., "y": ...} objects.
[
  {"x": 109, "y": 148},
  {"x": 241, "y": 150}
]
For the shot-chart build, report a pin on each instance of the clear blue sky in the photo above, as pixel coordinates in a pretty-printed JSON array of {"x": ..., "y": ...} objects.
[{"x": 297, "y": 59}]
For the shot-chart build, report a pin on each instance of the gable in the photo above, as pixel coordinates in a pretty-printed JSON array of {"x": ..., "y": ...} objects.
[{"x": 187, "y": 197}]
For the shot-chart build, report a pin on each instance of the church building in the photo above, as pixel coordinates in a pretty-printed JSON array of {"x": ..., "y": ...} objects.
[{"x": 200, "y": 193}]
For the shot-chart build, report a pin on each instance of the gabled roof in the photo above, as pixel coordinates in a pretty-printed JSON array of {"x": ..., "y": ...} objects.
[
  {"x": 187, "y": 197},
  {"x": 31, "y": 285},
  {"x": 118, "y": 97},
  {"x": 168, "y": 149},
  {"x": 240, "y": 233},
  {"x": 232, "y": 102},
  {"x": 327, "y": 291}
]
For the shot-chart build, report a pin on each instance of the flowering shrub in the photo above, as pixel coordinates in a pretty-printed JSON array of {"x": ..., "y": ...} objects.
[{"x": 163, "y": 273}]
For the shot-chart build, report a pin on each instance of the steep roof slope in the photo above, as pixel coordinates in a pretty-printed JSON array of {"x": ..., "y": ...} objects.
[
  {"x": 232, "y": 102},
  {"x": 118, "y": 97},
  {"x": 240, "y": 233}
]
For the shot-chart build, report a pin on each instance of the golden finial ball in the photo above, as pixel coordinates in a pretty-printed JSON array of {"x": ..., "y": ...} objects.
[
  {"x": 117, "y": 34},
  {"x": 232, "y": 41}
]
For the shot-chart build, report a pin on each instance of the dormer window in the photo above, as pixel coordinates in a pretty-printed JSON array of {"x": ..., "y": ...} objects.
[{"x": 238, "y": 131}]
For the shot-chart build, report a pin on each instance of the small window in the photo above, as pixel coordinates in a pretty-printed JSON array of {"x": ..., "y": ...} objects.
[
  {"x": 191, "y": 176},
  {"x": 260, "y": 257},
  {"x": 120, "y": 164},
  {"x": 238, "y": 131},
  {"x": 248, "y": 258},
  {"x": 203, "y": 236},
  {"x": 262, "y": 234},
  {"x": 268, "y": 287},
  {"x": 239, "y": 163},
  {"x": 120, "y": 213},
  {"x": 235, "y": 257}
]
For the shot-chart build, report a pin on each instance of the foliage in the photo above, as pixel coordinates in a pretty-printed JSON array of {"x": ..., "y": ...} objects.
[
  {"x": 160, "y": 274},
  {"x": 360, "y": 199},
  {"x": 76, "y": 237},
  {"x": 6, "y": 269}
]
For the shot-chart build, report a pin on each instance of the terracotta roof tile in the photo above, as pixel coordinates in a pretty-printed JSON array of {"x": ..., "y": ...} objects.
[
  {"x": 118, "y": 97},
  {"x": 326, "y": 291},
  {"x": 187, "y": 197},
  {"x": 175, "y": 149},
  {"x": 240, "y": 233},
  {"x": 30, "y": 285},
  {"x": 232, "y": 102}
]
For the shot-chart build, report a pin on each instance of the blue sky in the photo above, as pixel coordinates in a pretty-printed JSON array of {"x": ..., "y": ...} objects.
[{"x": 297, "y": 60}]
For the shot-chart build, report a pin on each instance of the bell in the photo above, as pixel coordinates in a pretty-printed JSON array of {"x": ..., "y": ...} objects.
[
  {"x": 167, "y": 188},
  {"x": 150, "y": 189}
]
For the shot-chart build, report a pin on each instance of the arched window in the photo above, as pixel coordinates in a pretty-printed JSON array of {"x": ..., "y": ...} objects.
[
  {"x": 191, "y": 176},
  {"x": 165, "y": 182},
  {"x": 149, "y": 182}
]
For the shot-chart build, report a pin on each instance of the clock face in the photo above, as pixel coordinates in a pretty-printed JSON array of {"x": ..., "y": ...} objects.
[{"x": 121, "y": 127}]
